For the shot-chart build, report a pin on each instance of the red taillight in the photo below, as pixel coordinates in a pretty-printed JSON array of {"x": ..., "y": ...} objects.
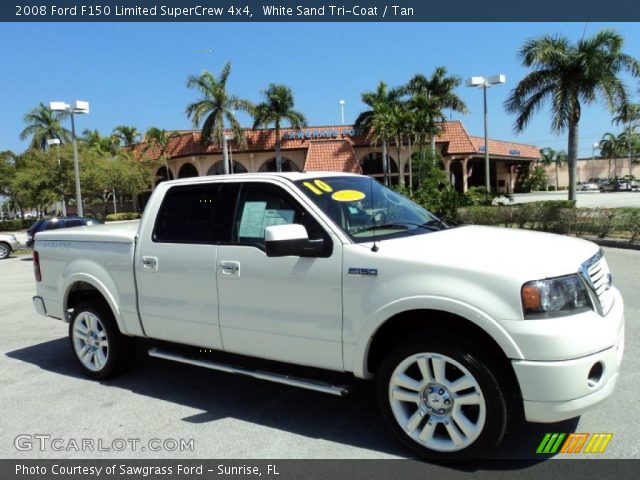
[{"x": 36, "y": 266}]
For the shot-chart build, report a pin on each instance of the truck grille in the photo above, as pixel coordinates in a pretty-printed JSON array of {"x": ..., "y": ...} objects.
[{"x": 596, "y": 273}]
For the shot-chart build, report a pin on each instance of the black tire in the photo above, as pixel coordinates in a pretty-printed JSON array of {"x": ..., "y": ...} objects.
[
  {"x": 5, "y": 250},
  {"x": 119, "y": 347},
  {"x": 494, "y": 423}
]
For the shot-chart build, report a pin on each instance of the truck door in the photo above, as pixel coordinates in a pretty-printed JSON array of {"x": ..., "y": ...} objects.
[
  {"x": 282, "y": 308},
  {"x": 176, "y": 266}
]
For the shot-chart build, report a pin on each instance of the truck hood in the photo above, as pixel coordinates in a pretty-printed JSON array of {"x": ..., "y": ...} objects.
[
  {"x": 520, "y": 254},
  {"x": 119, "y": 232}
]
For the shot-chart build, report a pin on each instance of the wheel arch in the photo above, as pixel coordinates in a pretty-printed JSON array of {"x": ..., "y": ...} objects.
[{"x": 82, "y": 287}]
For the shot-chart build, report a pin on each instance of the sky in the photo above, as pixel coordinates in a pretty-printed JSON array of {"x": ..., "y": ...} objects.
[{"x": 135, "y": 74}]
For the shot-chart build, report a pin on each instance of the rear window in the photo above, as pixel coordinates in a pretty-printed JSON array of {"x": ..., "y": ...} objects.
[{"x": 191, "y": 214}]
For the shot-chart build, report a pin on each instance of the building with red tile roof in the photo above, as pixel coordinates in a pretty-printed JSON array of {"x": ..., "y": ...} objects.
[{"x": 342, "y": 148}]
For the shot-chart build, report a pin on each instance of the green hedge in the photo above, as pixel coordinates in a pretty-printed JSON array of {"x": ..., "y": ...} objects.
[
  {"x": 115, "y": 217},
  {"x": 15, "y": 225},
  {"x": 559, "y": 217}
]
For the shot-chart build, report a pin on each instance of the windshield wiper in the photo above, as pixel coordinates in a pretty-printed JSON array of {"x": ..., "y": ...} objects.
[{"x": 396, "y": 226}]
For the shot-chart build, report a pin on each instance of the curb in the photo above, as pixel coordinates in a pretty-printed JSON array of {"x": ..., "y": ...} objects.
[{"x": 624, "y": 244}]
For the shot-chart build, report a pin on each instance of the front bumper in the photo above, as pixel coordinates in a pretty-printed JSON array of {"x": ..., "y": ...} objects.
[{"x": 556, "y": 391}]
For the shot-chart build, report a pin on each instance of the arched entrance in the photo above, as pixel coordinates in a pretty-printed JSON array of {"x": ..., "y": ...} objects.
[
  {"x": 162, "y": 174},
  {"x": 187, "y": 170},
  {"x": 371, "y": 165},
  {"x": 218, "y": 168},
  {"x": 287, "y": 166}
]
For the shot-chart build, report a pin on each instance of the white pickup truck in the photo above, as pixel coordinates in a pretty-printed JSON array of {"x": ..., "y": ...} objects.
[{"x": 465, "y": 329}]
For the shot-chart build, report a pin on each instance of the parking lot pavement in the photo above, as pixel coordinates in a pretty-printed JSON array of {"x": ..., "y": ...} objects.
[
  {"x": 228, "y": 416},
  {"x": 585, "y": 199}
]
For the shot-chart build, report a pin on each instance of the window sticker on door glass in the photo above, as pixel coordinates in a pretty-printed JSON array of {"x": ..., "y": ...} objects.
[
  {"x": 252, "y": 221},
  {"x": 277, "y": 217}
]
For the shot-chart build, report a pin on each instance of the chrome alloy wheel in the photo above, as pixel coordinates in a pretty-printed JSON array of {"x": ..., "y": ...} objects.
[
  {"x": 90, "y": 341},
  {"x": 437, "y": 402}
]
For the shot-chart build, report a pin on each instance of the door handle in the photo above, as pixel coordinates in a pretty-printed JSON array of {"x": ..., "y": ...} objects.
[
  {"x": 230, "y": 269},
  {"x": 150, "y": 264}
]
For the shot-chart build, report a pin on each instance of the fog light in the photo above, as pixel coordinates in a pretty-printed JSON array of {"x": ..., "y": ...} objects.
[{"x": 595, "y": 374}]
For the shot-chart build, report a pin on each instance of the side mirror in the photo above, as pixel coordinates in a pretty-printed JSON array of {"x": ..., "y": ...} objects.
[{"x": 285, "y": 240}]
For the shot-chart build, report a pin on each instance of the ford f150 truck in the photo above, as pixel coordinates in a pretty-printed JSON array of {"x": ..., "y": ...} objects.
[{"x": 463, "y": 328}]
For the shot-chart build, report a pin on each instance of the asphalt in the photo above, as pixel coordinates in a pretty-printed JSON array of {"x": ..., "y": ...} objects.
[{"x": 226, "y": 416}]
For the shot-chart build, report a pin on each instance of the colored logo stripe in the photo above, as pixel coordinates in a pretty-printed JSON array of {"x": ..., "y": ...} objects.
[
  {"x": 598, "y": 442},
  {"x": 550, "y": 443},
  {"x": 574, "y": 443}
]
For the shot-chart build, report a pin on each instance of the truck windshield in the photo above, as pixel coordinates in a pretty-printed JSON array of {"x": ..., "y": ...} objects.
[{"x": 365, "y": 209}]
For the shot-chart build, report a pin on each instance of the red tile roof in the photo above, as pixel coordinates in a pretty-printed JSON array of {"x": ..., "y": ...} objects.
[
  {"x": 506, "y": 149},
  {"x": 454, "y": 139},
  {"x": 331, "y": 156}
]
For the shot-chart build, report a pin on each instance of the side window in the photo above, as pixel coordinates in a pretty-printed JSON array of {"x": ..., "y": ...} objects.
[
  {"x": 53, "y": 225},
  {"x": 73, "y": 223},
  {"x": 261, "y": 205},
  {"x": 191, "y": 214}
]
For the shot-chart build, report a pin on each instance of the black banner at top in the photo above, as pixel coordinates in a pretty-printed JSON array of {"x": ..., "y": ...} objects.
[{"x": 317, "y": 10}]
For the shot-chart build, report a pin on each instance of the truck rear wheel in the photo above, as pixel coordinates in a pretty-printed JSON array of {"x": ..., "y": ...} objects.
[
  {"x": 441, "y": 400},
  {"x": 101, "y": 350}
]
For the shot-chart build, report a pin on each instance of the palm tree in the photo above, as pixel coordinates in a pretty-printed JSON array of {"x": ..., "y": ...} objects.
[
  {"x": 277, "y": 106},
  {"x": 609, "y": 149},
  {"x": 155, "y": 137},
  {"x": 94, "y": 139},
  {"x": 44, "y": 124},
  {"x": 560, "y": 160},
  {"x": 548, "y": 157},
  {"x": 569, "y": 76},
  {"x": 127, "y": 136},
  {"x": 215, "y": 107},
  {"x": 438, "y": 89},
  {"x": 377, "y": 121},
  {"x": 627, "y": 115}
]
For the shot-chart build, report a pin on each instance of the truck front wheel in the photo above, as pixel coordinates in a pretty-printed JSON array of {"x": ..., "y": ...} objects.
[
  {"x": 97, "y": 343},
  {"x": 441, "y": 400}
]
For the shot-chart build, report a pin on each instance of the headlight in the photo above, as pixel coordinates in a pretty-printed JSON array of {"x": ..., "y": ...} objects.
[{"x": 555, "y": 297}]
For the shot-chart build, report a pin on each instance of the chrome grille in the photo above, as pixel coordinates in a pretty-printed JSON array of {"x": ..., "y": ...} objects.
[{"x": 596, "y": 273}]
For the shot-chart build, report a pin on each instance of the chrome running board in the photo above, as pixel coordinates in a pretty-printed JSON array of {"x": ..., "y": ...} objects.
[{"x": 318, "y": 386}]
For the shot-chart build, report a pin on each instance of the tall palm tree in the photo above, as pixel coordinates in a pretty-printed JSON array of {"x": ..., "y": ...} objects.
[
  {"x": 610, "y": 149},
  {"x": 277, "y": 106},
  {"x": 155, "y": 137},
  {"x": 438, "y": 90},
  {"x": 547, "y": 158},
  {"x": 377, "y": 121},
  {"x": 627, "y": 115},
  {"x": 44, "y": 124},
  {"x": 126, "y": 135},
  {"x": 568, "y": 76},
  {"x": 215, "y": 107}
]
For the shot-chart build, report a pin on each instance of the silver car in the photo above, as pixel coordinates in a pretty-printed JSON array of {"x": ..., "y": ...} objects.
[{"x": 8, "y": 243}]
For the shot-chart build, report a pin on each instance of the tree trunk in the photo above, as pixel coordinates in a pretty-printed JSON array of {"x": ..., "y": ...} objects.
[
  {"x": 385, "y": 163},
  {"x": 557, "y": 183},
  {"x": 400, "y": 170},
  {"x": 225, "y": 153},
  {"x": 278, "y": 152},
  {"x": 573, "y": 159},
  {"x": 433, "y": 148},
  {"x": 410, "y": 168}
]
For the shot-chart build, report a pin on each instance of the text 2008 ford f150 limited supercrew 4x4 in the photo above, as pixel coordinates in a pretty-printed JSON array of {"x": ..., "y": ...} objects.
[{"x": 463, "y": 328}]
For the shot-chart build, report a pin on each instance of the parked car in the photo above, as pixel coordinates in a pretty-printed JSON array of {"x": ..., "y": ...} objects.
[
  {"x": 57, "y": 223},
  {"x": 588, "y": 186},
  {"x": 459, "y": 328},
  {"x": 615, "y": 185},
  {"x": 8, "y": 244}
]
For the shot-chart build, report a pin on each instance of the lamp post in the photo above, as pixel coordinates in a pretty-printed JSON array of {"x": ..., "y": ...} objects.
[
  {"x": 51, "y": 142},
  {"x": 342, "y": 102},
  {"x": 485, "y": 83},
  {"x": 79, "y": 107}
]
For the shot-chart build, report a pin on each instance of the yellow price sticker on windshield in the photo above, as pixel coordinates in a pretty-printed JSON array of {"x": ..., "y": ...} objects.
[
  {"x": 348, "y": 196},
  {"x": 318, "y": 187}
]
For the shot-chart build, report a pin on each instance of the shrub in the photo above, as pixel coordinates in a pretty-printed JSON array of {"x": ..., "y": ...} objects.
[
  {"x": 115, "y": 217},
  {"x": 16, "y": 224}
]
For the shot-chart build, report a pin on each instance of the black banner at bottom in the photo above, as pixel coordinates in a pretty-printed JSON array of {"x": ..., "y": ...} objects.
[{"x": 547, "y": 469}]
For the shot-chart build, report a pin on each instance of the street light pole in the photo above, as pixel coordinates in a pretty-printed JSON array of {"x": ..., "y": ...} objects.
[
  {"x": 51, "y": 142},
  {"x": 80, "y": 107},
  {"x": 485, "y": 83},
  {"x": 342, "y": 110}
]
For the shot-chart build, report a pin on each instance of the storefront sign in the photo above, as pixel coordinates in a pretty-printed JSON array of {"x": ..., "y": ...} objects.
[{"x": 313, "y": 134}]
